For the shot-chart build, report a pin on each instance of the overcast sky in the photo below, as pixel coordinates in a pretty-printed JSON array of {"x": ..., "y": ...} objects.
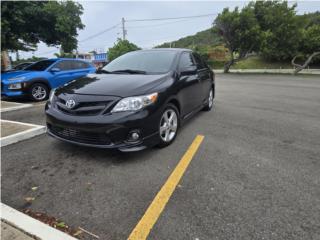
[{"x": 101, "y": 15}]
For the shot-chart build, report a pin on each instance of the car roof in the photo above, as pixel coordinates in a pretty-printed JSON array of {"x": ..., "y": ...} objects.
[
  {"x": 168, "y": 49},
  {"x": 58, "y": 59}
]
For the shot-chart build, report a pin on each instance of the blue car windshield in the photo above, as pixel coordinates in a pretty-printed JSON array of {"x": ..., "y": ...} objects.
[{"x": 40, "y": 66}]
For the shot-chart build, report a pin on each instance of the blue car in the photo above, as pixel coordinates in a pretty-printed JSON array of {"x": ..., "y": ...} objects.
[{"x": 38, "y": 79}]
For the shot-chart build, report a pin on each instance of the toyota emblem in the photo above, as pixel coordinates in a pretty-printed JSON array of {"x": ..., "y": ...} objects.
[{"x": 70, "y": 103}]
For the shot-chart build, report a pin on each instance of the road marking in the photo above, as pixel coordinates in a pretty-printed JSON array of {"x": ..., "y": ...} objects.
[
  {"x": 150, "y": 217},
  {"x": 19, "y": 106},
  {"x": 13, "y": 106},
  {"x": 35, "y": 130}
]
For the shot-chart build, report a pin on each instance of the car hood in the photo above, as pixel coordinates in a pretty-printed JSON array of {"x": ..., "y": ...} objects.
[
  {"x": 15, "y": 74},
  {"x": 122, "y": 85}
]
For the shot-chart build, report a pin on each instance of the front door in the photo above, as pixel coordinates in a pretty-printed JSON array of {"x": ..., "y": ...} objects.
[
  {"x": 190, "y": 94},
  {"x": 204, "y": 76}
]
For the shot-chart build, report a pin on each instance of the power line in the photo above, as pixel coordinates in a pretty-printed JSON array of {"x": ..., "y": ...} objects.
[
  {"x": 156, "y": 25},
  {"x": 172, "y": 18},
  {"x": 124, "y": 31},
  {"x": 99, "y": 33}
]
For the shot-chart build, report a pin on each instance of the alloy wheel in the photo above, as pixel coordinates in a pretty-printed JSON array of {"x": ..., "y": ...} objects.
[
  {"x": 210, "y": 99},
  {"x": 168, "y": 125},
  {"x": 39, "y": 93}
]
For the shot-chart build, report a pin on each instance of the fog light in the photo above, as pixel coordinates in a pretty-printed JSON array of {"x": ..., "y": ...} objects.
[{"x": 134, "y": 136}]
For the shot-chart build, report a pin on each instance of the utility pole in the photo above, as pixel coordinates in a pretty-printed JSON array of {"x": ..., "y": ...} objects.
[{"x": 124, "y": 31}]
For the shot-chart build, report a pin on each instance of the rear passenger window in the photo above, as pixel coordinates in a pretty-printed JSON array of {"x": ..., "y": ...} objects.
[
  {"x": 79, "y": 65},
  {"x": 63, "y": 65},
  {"x": 186, "y": 61}
]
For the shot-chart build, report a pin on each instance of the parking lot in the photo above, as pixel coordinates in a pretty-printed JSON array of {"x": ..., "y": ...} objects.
[{"x": 256, "y": 175}]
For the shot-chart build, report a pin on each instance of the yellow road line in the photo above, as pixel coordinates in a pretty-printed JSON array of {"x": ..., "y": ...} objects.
[{"x": 144, "y": 226}]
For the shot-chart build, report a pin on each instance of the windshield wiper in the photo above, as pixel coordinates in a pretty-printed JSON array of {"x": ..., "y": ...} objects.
[
  {"x": 131, "y": 71},
  {"x": 102, "y": 71}
]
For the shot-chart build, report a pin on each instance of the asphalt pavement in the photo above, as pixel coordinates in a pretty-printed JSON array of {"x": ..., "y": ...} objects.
[{"x": 256, "y": 174}]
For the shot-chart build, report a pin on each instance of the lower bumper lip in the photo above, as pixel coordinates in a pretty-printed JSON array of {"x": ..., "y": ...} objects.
[{"x": 123, "y": 147}]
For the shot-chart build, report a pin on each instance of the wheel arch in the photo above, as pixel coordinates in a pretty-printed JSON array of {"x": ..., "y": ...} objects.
[
  {"x": 176, "y": 103},
  {"x": 39, "y": 80}
]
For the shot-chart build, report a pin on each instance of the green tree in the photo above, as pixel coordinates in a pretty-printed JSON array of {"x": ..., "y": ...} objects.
[
  {"x": 309, "y": 45},
  {"x": 25, "y": 23},
  {"x": 240, "y": 32},
  {"x": 121, "y": 47},
  {"x": 64, "y": 55},
  {"x": 280, "y": 28}
]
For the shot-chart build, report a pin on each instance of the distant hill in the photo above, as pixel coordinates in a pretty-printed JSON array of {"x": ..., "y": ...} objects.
[{"x": 203, "y": 38}]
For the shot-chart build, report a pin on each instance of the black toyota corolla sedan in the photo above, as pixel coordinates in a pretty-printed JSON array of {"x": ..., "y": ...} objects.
[{"x": 137, "y": 101}]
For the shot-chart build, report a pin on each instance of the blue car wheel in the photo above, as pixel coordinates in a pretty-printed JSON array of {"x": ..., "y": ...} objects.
[{"x": 39, "y": 92}]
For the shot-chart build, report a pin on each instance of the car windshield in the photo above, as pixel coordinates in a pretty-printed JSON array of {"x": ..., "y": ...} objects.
[
  {"x": 40, "y": 66},
  {"x": 149, "y": 62},
  {"x": 21, "y": 66}
]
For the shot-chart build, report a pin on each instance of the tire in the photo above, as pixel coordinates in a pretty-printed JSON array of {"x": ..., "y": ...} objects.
[
  {"x": 39, "y": 92},
  {"x": 167, "y": 134},
  {"x": 209, "y": 105}
]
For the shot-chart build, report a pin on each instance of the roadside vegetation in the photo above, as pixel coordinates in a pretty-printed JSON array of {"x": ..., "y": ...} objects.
[
  {"x": 271, "y": 31},
  {"x": 263, "y": 34}
]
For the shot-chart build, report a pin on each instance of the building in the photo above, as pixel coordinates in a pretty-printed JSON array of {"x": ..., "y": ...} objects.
[
  {"x": 85, "y": 56},
  {"x": 100, "y": 59}
]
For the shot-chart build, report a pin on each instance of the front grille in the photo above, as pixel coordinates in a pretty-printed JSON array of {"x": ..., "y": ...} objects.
[
  {"x": 80, "y": 112},
  {"x": 85, "y": 105},
  {"x": 83, "y": 108},
  {"x": 80, "y": 136}
]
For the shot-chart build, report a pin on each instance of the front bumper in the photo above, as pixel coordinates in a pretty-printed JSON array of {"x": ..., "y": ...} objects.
[
  {"x": 5, "y": 91},
  {"x": 107, "y": 130}
]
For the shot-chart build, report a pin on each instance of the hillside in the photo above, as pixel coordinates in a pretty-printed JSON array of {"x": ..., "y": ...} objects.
[{"x": 203, "y": 38}]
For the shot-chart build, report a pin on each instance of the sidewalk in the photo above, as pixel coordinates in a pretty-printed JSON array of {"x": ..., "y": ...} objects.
[
  {"x": 9, "y": 232},
  {"x": 16, "y": 225},
  {"x": 278, "y": 71}
]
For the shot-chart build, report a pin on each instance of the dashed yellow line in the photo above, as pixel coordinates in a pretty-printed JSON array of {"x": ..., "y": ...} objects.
[{"x": 144, "y": 226}]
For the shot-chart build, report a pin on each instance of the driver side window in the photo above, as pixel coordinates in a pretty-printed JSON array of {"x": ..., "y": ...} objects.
[
  {"x": 199, "y": 61},
  {"x": 186, "y": 61}
]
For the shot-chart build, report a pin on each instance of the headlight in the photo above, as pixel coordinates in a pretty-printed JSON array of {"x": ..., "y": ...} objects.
[
  {"x": 15, "y": 86},
  {"x": 135, "y": 103},
  {"x": 17, "y": 78},
  {"x": 51, "y": 95}
]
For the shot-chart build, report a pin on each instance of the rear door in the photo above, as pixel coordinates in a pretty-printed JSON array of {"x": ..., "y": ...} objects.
[
  {"x": 204, "y": 74},
  {"x": 190, "y": 94},
  {"x": 80, "y": 68}
]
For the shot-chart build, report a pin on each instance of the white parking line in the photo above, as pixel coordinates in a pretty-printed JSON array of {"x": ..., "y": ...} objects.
[
  {"x": 17, "y": 137},
  {"x": 15, "y": 107}
]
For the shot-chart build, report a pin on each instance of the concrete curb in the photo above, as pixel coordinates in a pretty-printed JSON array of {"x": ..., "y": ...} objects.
[
  {"x": 17, "y": 137},
  {"x": 19, "y": 106},
  {"x": 277, "y": 71},
  {"x": 32, "y": 226}
]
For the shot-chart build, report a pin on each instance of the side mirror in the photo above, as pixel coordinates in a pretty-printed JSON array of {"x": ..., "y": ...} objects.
[
  {"x": 55, "y": 70},
  {"x": 188, "y": 71}
]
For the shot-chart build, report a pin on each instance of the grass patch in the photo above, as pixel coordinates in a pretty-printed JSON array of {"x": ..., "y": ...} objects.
[{"x": 257, "y": 62}]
